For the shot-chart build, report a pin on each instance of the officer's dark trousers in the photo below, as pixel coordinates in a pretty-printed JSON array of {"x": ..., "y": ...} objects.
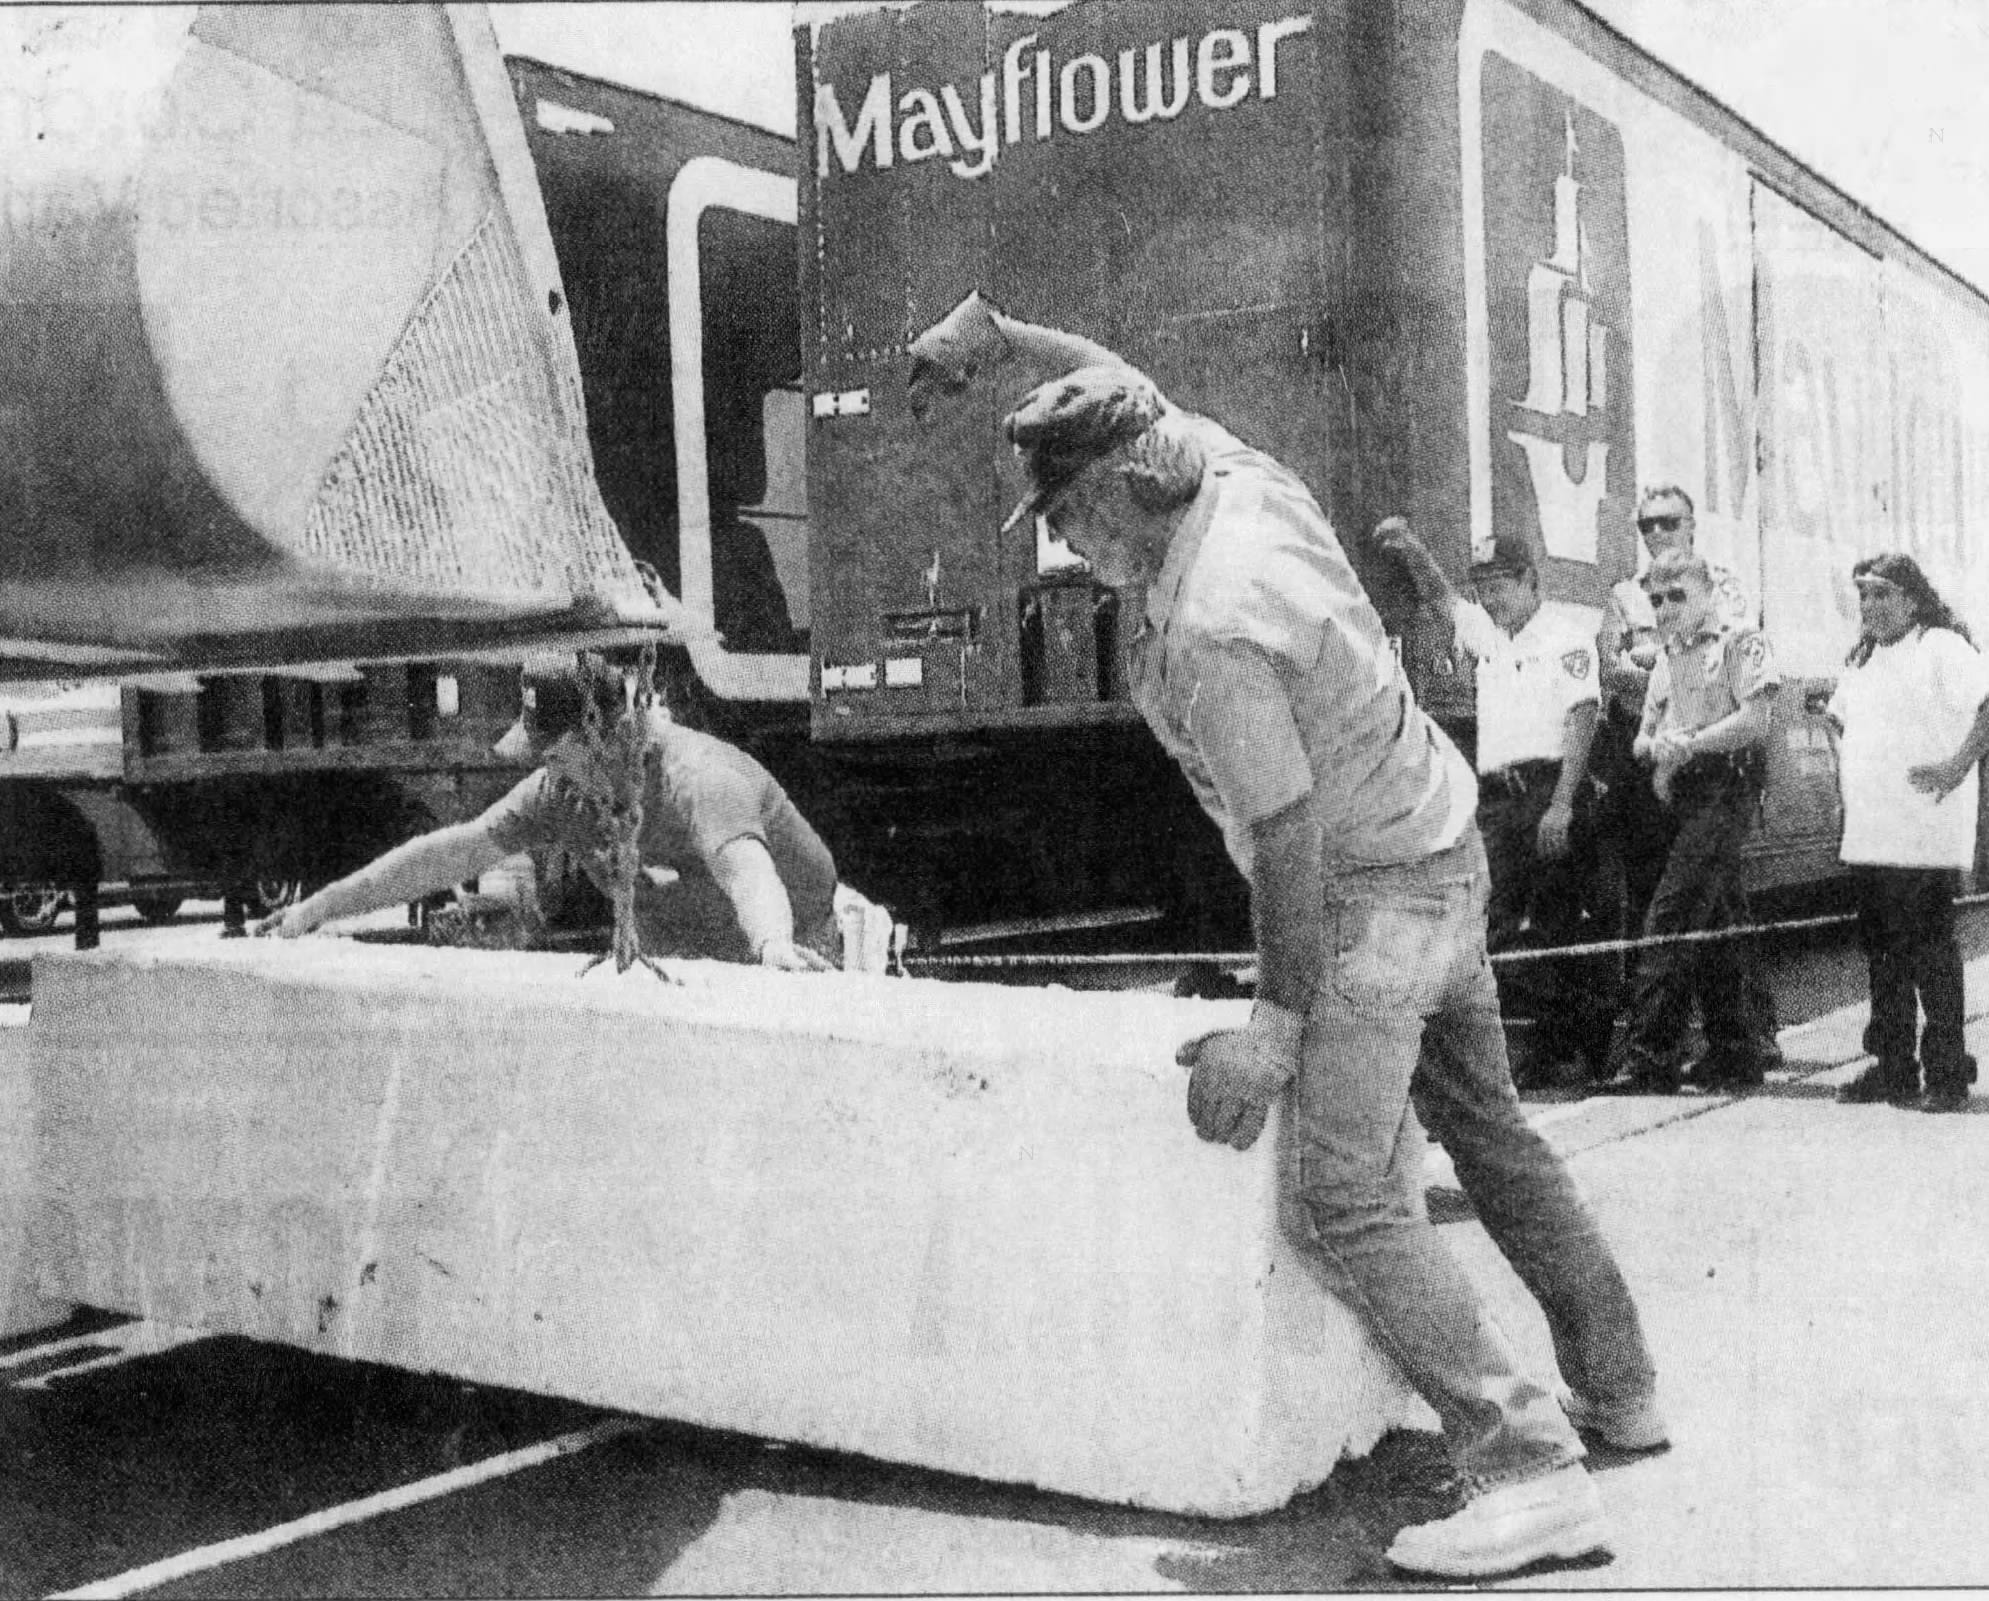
[
  {"x": 1632, "y": 829},
  {"x": 1699, "y": 890},
  {"x": 1906, "y": 925},
  {"x": 1537, "y": 903}
]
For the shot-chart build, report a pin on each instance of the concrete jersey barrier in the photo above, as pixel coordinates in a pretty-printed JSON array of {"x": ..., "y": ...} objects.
[{"x": 963, "y": 1226}]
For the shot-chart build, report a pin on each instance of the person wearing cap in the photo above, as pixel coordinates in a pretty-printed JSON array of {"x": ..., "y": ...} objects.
[
  {"x": 1537, "y": 702},
  {"x": 1704, "y": 728},
  {"x": 1264, "y": 671},
  {"x": 1912, "y": 714},
  {"x": 752, "y": 881}
]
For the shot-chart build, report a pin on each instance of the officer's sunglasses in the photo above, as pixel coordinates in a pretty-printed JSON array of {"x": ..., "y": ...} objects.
[
  {"x": 1670, "y": 597},
  {"x": 1667, "y": 524}
]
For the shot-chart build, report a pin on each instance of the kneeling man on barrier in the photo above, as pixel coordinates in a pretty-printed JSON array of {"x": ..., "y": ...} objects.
[
  {"x": 1262, "y": 668},
  {"x": 747, "y": 879}
]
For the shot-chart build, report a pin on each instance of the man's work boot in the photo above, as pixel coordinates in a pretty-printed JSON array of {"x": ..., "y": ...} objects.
[{"x": 1557, "y": 1516}]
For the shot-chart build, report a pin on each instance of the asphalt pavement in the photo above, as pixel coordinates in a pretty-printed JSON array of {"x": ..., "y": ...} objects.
[{"x": 1808, "y": 1273}]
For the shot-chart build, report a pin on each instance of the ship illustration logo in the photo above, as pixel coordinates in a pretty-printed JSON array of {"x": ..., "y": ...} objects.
[{"x": 1568, "y": 380}]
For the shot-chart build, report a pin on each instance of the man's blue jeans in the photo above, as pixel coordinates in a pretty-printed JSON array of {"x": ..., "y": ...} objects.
[{"x": 1407, "y": 1008}]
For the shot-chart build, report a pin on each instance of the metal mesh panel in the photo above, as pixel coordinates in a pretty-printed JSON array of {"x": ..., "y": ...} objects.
[{"x": 468, "y": 467}]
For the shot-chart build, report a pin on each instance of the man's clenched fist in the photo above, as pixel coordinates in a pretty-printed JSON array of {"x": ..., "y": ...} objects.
[{"x": 1236, "y": 1072}]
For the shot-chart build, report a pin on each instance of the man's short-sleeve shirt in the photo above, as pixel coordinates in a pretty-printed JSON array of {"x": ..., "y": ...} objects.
[
  {"x": 1265, "y": 672},
  {"x": 1911, "y": 704},
  {"x": 1628, "y": 612},
  {"x": 1699, "y": 681},
  {"x": 1528, "y": 682},
  {"x": 702, "y": 795}
]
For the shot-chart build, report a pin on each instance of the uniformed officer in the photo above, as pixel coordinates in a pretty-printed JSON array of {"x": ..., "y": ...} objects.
[
  {"x": 1633, "y": 830},
  {"x": 1264, "y": 671},
  {"x": 1628, "y": 639},
  {"x": 1704, "y": 728},
  {"x": 1537, "y": 702}
]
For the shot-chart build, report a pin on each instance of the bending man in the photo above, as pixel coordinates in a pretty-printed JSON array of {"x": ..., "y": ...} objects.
[
  {"x": 1264, "y": 672},
  {"x": 753, "y": 882}
]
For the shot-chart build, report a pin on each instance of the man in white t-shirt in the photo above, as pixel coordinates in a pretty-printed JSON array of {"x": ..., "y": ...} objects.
[
  {"x": 1538, "y": 701},
  {"x": 1913, "y": 713}
]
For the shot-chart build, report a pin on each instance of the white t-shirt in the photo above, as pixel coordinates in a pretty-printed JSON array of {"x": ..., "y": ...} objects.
[
  {"x": 1527, "y": 683},
  {"x": 1910, "y": 705}
]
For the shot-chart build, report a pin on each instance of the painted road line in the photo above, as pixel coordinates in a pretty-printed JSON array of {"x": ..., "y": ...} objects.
[
  {"x": 111, "y": 1347},
  {"x": 207, "y": 1557},
  {"x": 156, "y": 1341},
  {"x": 68, "y": 1343}
]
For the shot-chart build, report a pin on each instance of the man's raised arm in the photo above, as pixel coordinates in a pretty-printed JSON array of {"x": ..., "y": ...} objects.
[{"x": 973, "y": 336}]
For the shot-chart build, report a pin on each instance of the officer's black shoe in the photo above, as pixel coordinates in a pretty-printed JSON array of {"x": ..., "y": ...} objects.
[
  {"x": 1949, "y": 1098},
  {"x": 1726, "y": 1075},
  {"x": 1640, "y": 1083},
  {"x": 1883, "y": 1082}
]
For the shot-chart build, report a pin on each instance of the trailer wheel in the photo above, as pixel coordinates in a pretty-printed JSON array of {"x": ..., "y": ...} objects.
[
  {"x": 273, "y": 894},
  {"x": 29, "y": 911},
  {"x": 156, "y": 908}
]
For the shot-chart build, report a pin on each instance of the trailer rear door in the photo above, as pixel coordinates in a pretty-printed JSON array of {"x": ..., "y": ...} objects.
[{"x": 1164, "y": 178}]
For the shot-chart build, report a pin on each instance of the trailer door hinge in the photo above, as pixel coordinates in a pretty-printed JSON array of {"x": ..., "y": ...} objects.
[{"x": 842, "y": 403}]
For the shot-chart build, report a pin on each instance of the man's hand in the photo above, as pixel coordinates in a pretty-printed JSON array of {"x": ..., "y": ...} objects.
[
  {"x": 1394, "y": 539},
  {"x": 784, "y": 956},
  {"x": 1670, "y": 751},
  {"x": 1672, "y": 748},
  {"x": 1552, "y": 837},
  {"x": 948, "y": 354},
  {"x": 1236, "y": 1073},
  {"x": 289, "y": 922},
  {"x": 1938, "y": 779}
]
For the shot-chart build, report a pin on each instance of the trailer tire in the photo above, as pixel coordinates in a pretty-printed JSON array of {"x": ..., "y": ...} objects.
[
  {"x": 157, "y": 908},
  {"x": 270, "y": 895},
  {"x": 25, "y": 912}
]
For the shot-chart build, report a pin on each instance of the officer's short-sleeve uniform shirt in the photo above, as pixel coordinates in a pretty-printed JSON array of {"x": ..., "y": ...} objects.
[
  {"x": 1264, "y": 671},
  {"x": 1700, "y": 680},
  {"x": 1911, "y": 704},
  {"x": 702, "y": 795},
  {"x": 1629, "y": 612},
  {"x": 1528, "y": 682}
]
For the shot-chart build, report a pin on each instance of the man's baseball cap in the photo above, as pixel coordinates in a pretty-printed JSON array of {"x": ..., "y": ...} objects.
[
  {"x": 554, "y": 694},
  {"x": 1065, "y": 425}
]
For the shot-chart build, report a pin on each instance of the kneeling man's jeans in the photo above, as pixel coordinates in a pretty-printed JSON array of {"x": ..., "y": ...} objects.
[{"x": 1407, "y": 1008}]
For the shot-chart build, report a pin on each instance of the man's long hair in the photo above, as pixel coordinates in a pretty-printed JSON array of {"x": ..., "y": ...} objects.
[{"x": 1929, "y": 609}]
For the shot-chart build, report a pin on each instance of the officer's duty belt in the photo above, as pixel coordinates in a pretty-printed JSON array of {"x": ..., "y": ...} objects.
[{"x": 1718, "y": 767}]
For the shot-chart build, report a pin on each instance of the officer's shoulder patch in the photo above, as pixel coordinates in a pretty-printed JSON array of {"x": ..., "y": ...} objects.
[
  {"x": 1576, "y": 664},
  {"x": 1753, "y": 648}
]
